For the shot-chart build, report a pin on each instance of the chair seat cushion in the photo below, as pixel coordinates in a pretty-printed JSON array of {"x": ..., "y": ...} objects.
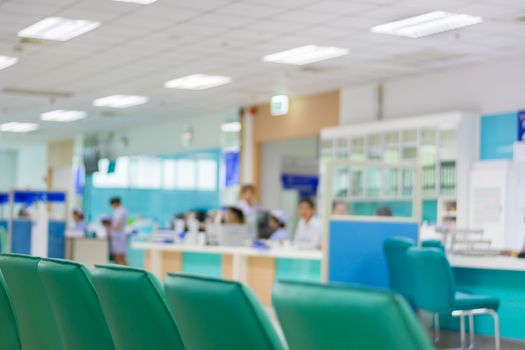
[{"x": 466, "y": 301}]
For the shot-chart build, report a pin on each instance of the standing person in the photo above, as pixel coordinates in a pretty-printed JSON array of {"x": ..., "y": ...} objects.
[
  {"x": 117, "y": 232},
  {"x": 247, "y": 201},
  {"x": 309, "y": 230}
]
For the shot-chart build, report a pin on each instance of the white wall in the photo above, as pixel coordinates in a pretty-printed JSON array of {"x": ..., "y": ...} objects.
[
  {"x": 31, "y": 167},
  {"x": 7, "y": 169},
  {"x": 167, "y": 137},
  {"x": 486, "y": 88}
]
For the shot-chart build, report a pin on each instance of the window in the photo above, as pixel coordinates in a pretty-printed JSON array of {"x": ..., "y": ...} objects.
[
  {"x": 146, "y": 172},
  {"x": 185, "y": 174},
  {"x": 207, "y": 175},
  {"x": 168, "y": 174}
]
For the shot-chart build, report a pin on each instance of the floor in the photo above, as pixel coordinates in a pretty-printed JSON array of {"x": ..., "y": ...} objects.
[{"x": 450, "y": 340}]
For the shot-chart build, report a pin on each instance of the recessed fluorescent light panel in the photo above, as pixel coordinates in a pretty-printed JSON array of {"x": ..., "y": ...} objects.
[
  {"x": 120, "y": 101},
  {"x": 18, "y": 127},
  {"x": 306, "y": 54},
  {"x": 142, "y": 2},
  {"x": 61, "y": 115},
  {"x": 197, "y": 82},
  {"x": 427, "y": 24},
  {"x": 231, "y": 127},
  {"x": 6, "y": 61},
  {"x": 58, "y": 28}
]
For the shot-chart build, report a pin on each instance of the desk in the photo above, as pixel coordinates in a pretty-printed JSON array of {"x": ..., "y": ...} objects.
[
  {"x": 87, "y": 251},
  {"x": 256, "y": 268}
]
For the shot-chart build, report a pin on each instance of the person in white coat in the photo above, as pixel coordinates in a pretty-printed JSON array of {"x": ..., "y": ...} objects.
[{"x": 308, "y": 234}]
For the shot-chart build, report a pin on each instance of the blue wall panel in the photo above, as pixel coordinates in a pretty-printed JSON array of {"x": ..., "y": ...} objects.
[
  {"x": 356, "y": 250},
  {"x": 202, "y": 264},
  {"x": 298, "y": 270},
  {"x": 498, "y": 134}
]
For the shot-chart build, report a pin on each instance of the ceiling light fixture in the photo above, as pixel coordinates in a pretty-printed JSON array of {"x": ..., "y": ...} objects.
[
  {"x": 18, "y": 127},
  {"x": 306, "y": 54},
  {"x": 197, "y": 82},
  {"x": 7, "y": 61},
  {"x": 427, "y": 24},
  {"x": 120, "y": 101},
  {"x": 58, "y": 28},
  {"x": 61, "y": 115},
  {"x": 231, "y": 127},
  {"x": 142, "y": 2},
  {"x": 279, "y": 105}
]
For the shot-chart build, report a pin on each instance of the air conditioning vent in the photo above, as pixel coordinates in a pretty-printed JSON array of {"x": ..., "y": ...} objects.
[{"x": 36, "y": 93}]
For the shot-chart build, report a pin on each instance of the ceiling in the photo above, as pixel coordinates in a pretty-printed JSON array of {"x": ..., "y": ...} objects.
[{"x": 139, "y": 47}]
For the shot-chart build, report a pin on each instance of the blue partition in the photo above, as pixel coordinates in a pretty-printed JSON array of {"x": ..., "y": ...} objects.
[
  {"x": 56, "y": 244},
  {"x": 3, "y": 236},
  {"x": 21, "y": 236},
  {"x": 355, "y": 250}
]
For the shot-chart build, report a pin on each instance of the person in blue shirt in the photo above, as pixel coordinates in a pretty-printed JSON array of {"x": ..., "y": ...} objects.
[{"x": 277, "y": 226}]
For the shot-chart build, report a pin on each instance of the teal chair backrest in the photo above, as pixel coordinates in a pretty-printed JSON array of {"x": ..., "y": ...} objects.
[
  {"x": 9, "y": 338},
  {"x": 76, "y": 306},
  {"x": 135, "y": 308},
  {"x": 218, "y": 314},
  {"x": 37, "y": 325},
  {"x": 434, "y": 283},
  {"x": 433, "y": 243},
  {"x": 316, "y": 316},
  {"x": 401, "y": 280}
]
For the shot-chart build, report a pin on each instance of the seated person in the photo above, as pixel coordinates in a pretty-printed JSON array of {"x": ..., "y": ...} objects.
[
  {"x": 339, "y": 208},
  {"x": 309, "y": 230},
  {"x": 234, "y": 215},
  {"x": 277, "y": 225}
]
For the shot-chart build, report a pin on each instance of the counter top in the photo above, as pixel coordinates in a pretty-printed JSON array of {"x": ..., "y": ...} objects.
[
  {"x": 285, "y": 253},
  {"x": 487, "y": 262}
]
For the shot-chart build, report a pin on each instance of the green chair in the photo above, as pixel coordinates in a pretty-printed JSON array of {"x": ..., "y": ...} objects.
[
  {"x": 316, "y": 316},
  {"x": 401, "y": 281},
  {"x": 433, "y": 243},
  {"x": 135, "y": 309},
  {"x": 9, "y": 338},
  {"x": 218, "y": 314},
  {"x": 75, "y": 304},
  {"x": 435, "y": 291},
  {"x": 37, "y": 325}
]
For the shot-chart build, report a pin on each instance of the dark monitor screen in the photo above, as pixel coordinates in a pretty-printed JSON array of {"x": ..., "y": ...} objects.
[{"x": 91, "y": 158}]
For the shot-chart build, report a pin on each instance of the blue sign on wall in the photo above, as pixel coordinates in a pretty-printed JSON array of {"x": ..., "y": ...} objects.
[
  {"x": 305, "y": 184},
  {"x": 521, "y": 126},
  {"x": 232, "y": 169},
  {"x": 498, "y": 134}
]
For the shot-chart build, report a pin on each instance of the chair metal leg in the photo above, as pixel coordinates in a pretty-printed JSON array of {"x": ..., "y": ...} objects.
[
  {"x": 436, "y": 328},
  {"x": 495, "y": 317},
  {"x": 471, "y": 330},
  {"x": 462, "y": 330}
]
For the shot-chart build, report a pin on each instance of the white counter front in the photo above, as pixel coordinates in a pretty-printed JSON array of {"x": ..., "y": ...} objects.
[{"x": 505, "y": 263}]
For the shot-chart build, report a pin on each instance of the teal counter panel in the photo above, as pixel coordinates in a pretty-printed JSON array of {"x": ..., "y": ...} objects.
[
  {"x": 508, "y": 286},
  {"x": 203, "y": 264},
  {"x": 298, "y": 270}
]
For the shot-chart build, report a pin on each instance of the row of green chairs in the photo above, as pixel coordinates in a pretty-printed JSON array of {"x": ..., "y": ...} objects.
[
  {"x": 50, "y": 304},
  {"x": 425, "y": 278}
]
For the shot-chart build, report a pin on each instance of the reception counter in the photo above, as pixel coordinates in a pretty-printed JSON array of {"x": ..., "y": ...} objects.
[{"x": 257, "y": 268}]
